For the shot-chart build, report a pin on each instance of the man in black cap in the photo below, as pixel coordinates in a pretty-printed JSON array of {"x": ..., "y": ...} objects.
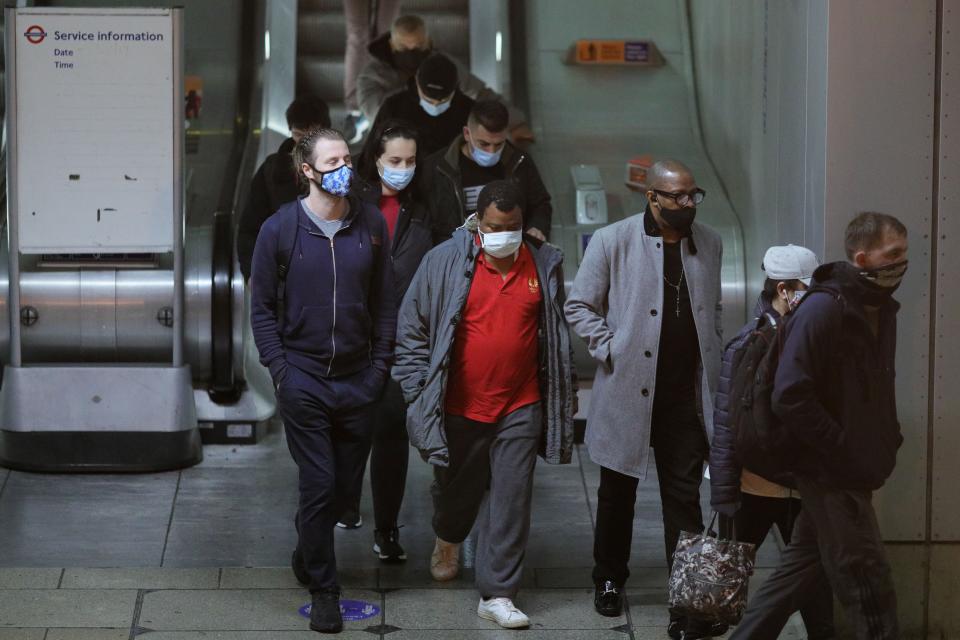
[{"x": 432, "y": 102}]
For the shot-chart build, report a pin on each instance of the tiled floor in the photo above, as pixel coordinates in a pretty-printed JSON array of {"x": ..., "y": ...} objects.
[{"x": 203, "y": 553}]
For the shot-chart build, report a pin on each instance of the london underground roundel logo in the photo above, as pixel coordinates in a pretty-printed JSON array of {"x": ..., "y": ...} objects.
[{"x": 35, "y": 34}]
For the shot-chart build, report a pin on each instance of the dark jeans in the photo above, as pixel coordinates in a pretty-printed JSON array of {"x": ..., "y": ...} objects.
[
  {"x": 836, "y": 537},
  {"x": 327, "y": 423},
  {"x": 752, "y": 524},
  {"x": 389, "y": 456},
  {"x": 680, "y": 447},
  {"x": 490, "y": 482}
]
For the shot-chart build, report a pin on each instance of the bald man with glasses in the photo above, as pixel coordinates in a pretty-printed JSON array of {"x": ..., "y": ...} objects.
[{"x": 646, "y": 300}]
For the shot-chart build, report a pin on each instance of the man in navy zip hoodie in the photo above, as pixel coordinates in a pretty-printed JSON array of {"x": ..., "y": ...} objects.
[
  {"x": 328, "y": 342},
  {"x": 834, "y": 392}
]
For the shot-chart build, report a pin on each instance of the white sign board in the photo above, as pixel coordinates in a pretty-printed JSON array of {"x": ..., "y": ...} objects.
[{"x": 93, "y": 95}]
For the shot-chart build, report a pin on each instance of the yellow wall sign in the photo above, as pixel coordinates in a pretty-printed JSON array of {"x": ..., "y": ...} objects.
[{"x": 630, "y": 52}]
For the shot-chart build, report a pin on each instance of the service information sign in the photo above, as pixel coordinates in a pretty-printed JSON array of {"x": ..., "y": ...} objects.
[
  {"x": 93, "y": 92},
  {"x": 630, "y": 52}
]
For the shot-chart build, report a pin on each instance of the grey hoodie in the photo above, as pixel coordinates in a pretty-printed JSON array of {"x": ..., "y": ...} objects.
[{"x": 426, "y": 329}]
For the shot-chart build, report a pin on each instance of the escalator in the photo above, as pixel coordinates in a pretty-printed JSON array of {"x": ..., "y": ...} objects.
[{"x": 321, "y": 42}]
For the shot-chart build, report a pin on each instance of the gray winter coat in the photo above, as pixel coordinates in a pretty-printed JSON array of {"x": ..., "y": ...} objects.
[
  {"x": 426, "y": 329},
  {"x": 616, "y": 305}
]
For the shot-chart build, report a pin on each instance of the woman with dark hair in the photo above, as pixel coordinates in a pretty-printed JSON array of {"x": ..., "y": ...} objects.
[{"x": 386, "y": 168}]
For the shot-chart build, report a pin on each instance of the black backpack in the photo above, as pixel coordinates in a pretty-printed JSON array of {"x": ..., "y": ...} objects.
[
  {"x": 756, "y": 430},
  {"x": 763, "y": 444}
]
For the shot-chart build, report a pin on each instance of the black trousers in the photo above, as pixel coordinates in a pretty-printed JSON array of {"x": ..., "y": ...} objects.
[
  {"x": 836, "y": 537},
  {"x": 680, "y": 447},
  {"x": 752, "y": 524},
  {"x": 389, "y": 456},
  {"x": 327, "y": 423}
]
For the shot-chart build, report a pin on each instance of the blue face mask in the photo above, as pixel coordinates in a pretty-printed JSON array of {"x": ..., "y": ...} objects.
[
  {"x": 396, "y": 178},
  {"x": 485, "y": 158},
  {"x": 435, "y": 109},
  {"x": 337, "y": 182}
]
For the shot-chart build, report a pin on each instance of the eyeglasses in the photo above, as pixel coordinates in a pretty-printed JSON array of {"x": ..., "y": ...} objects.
[{"x": 692, "y": 199}]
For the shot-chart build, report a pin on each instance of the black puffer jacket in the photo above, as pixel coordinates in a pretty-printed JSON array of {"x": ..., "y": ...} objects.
[
  {"x": 411, "y": 239},
  {"x": 274, "y": 184},
  {"x": 442, "y": 183},
  {"x": 725, "y": 466}
]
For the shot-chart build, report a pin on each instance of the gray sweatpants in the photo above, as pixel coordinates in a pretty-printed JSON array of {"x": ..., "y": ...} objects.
[{"x": 490, "y": 482}]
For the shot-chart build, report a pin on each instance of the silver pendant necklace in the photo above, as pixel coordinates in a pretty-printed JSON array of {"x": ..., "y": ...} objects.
[{"x": 677, "y": 287}]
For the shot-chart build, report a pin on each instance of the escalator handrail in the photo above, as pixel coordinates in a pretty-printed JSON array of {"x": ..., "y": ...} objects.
[{"x": 224, "y": 387}]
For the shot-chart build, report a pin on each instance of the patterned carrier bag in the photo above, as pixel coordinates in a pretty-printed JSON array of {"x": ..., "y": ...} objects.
[{"x": 710, "y": 577}]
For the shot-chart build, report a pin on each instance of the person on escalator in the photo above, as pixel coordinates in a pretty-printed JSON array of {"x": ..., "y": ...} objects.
[
  {"x": 479, "y": 155},
  {"x": 275, "y": 182},
  {"x": 395, "y": 57},
  {"x": 432, "y": 103},
  {"x": 324, "y": 316},
  {"x": 386, "y": 168}
]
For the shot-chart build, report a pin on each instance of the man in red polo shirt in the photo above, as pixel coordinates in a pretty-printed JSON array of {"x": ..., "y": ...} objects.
[{"x": 483, "y": 357}]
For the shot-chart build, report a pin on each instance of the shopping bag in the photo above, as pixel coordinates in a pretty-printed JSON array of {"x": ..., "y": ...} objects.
[{"x": 710, "y": 577}]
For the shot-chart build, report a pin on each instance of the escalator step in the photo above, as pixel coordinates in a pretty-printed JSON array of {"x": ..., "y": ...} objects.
[
  {"x": 321, "y": 33},
  {"x": 321, "y": 76}
]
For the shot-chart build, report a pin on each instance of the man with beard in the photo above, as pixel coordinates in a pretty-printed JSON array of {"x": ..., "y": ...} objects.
[{"x": 646, "y": 300}]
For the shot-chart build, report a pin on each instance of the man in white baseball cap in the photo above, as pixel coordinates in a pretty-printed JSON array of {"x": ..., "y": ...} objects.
[{"x": 753, "y": 503}]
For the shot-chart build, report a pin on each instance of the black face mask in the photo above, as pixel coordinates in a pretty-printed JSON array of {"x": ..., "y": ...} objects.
[
  {"x": 679, "y": 219},
  {"x": 408, "y": 60}
]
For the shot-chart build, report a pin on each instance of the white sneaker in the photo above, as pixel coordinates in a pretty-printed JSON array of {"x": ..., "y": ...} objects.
[{"x": 502, "y": 611}]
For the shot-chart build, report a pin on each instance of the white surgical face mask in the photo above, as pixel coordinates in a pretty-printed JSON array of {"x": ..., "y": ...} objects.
[
  {"x": 435, "y": 109},
  {"x": 397, "y": 179},
  {"x": 795, "y": 299},
  {"x": 502, "y": 243}
]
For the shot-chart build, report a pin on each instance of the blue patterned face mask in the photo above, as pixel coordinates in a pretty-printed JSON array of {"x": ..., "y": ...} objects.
[{"x": 337, "y": 182}]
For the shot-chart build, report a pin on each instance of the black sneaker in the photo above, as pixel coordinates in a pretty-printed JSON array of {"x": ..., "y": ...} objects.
[
  {"x": 386, "y": 544},
  {"x": 325, "y": 612},
  {"x": 350, "y": 519},
  {"x": 299, "y": 567},
  {"x": 607, "y": 599}
]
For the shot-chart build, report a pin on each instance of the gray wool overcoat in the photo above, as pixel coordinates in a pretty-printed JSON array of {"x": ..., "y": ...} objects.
[{"x": 616, "y": 305}]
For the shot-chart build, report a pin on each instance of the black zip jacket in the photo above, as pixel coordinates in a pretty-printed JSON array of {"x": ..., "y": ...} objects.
[
  {"x": 411, "y": 238},
  {"x": 834, "y": 388},
  {"x": 444, "y": 190}
]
